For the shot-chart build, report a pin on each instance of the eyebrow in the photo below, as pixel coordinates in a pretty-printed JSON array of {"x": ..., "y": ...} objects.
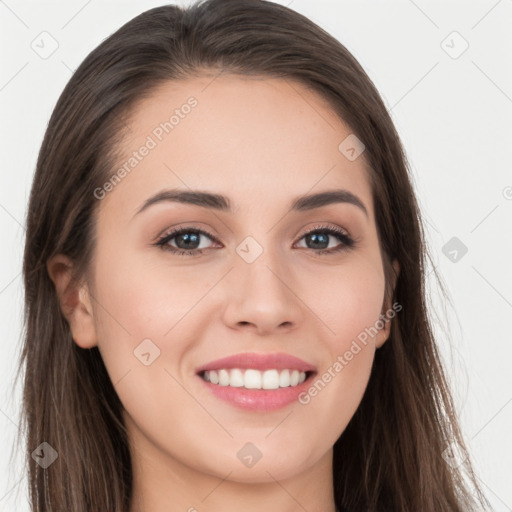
[{"x": 222, "y": 203}]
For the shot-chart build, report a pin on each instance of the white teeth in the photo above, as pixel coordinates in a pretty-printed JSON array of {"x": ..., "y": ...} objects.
[
  {"x": 270, "y": 379},
  {"x": 255, "y": 379},
  {"x": 284, "y": 379},
  {"x": 252, "y": 379},
  {"x": 236, "y": 378},
  {"x": 223, "y": 378}
]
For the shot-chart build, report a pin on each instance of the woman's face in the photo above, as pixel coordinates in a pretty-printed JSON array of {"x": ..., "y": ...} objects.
[{"x": 260, "y": 285}]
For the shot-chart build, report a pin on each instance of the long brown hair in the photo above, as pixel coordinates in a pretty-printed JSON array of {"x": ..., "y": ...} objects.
[{"x": 390, "y": 456}]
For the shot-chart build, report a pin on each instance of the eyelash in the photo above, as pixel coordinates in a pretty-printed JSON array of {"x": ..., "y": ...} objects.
[{"x": 347, "y": 242}]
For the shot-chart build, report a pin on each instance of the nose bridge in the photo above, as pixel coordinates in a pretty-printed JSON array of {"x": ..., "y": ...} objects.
[
  {"x": 260, "y": 267},
  {"x": 260, "y": 289}
]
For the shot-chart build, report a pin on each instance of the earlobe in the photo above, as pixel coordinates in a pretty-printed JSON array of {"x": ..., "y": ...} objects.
[
  {"x": 383, "y": 334},
  {"x": 74, "y": 301}
]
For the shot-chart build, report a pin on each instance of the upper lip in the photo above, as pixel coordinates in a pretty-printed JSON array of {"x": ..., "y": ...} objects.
[{"x": 278, "y": 361}]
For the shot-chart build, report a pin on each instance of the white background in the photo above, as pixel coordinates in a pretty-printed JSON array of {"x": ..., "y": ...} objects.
[{"x": 453, "y": 115}]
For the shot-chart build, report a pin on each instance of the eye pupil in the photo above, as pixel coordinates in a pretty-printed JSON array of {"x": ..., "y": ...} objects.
[
  {"x": 187, "y": 238},
  {"x": 314, "y": 237}
]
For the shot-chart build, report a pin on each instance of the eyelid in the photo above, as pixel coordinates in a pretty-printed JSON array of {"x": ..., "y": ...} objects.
[{"x": 324, "y": 226}]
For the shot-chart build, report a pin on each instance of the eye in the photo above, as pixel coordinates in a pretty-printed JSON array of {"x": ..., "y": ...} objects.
[
  {"x": 319, "y": 236},
  {"x": 188, "y": 240}
]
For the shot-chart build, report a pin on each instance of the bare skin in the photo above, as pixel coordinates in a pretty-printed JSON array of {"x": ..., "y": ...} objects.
[{"x": 262, "y": 143}]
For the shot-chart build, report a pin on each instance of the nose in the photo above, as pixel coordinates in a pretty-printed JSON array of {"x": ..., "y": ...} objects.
[{"x": 260, "y": 296}]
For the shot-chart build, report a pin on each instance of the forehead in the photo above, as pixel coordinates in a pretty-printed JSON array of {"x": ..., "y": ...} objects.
[{"x": 255, "y": 139}]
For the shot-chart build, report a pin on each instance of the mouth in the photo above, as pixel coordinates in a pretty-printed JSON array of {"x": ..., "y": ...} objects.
[
  {"x": 257, "y": 382},
  {"x": 251, "y": 378}
]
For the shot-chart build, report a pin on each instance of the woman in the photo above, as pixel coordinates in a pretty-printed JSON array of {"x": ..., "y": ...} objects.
[{"x": 286, "y": 361}]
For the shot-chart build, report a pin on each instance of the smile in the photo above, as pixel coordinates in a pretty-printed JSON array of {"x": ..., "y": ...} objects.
[{"x": 255, "y": 379}]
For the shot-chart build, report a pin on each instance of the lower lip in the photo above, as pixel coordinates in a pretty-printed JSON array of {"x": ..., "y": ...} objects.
[{"x": 258, "y": 399}]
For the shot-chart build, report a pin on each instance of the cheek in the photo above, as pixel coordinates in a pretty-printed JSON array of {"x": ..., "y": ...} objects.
[
  {"x": 347, "y": 301},
  {"x": 349, "y": 309},
  {"x": 142, "y": 300},
  {"x": 141, "y": 320},
  {"x": 338, "y": 388},
  {"x": 136, "y": 312}
]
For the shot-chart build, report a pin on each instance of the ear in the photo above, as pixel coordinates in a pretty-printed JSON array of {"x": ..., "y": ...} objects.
[
  {"x": 388, "y": 313},
  {"x": 74, "y": 301}
]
